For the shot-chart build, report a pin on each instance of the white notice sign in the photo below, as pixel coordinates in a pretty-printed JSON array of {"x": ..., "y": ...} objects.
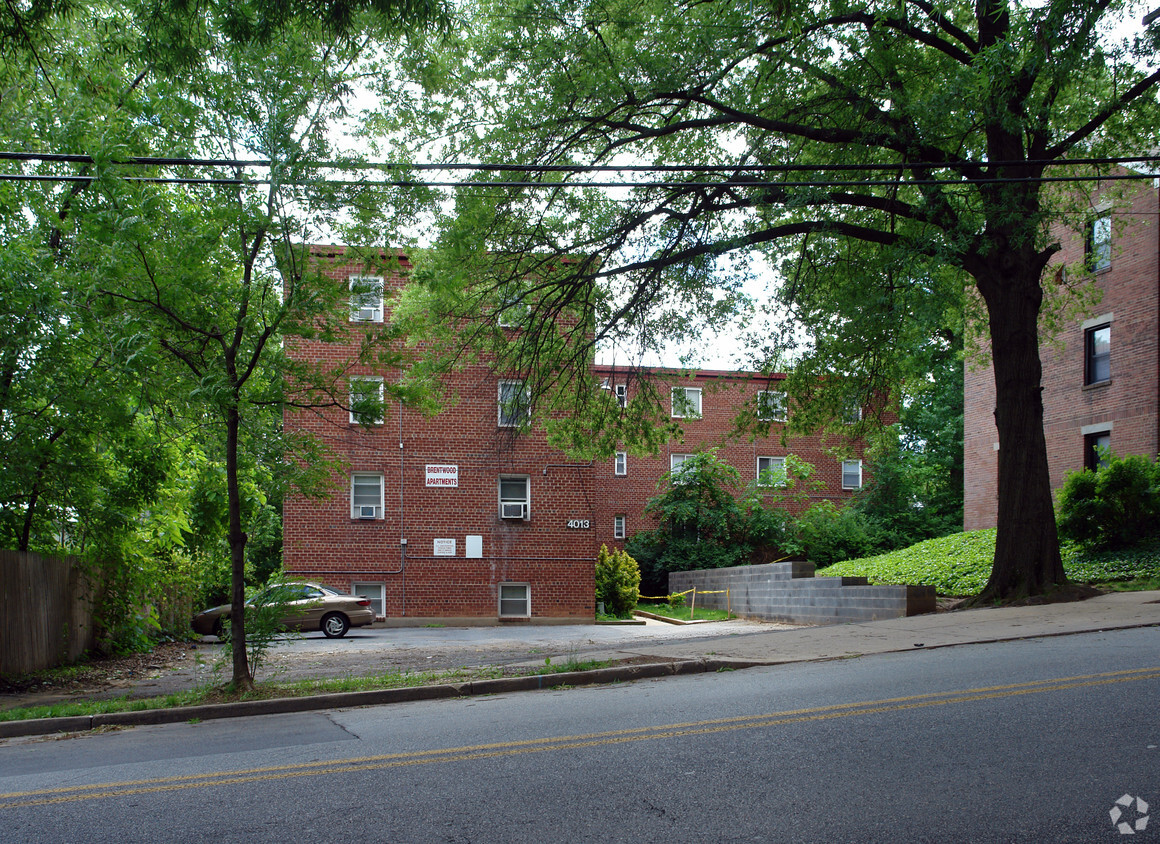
[
  {"x": 444, "y": 547},
  {"x": 441, "y": 475}
]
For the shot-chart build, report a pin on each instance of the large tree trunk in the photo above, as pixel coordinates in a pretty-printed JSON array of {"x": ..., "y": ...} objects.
[
  {"x": 237, "y": 540},
  {"x": 1027, "y": 560}
]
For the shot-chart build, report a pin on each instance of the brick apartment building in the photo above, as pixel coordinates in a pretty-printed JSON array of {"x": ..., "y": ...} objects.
[
  {"x": 462, "y": 518},
  {"x": 1101, "y": 372}
]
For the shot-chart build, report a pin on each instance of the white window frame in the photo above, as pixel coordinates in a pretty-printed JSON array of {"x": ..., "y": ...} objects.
[
  {"x": 364, "y": 500},
  {"x": 774, "y": 470},
  {"x": 513, "y": 308},
  {"x": 366, "y": 300},
  {"x": 621, "y": 391},
  {"x": 852, "y": 414},
  {"x": 771, "y": 406},
  {"x": 513, "y": 589},
  {"x": 852, "y": 464},
  {"x": 689, "y": 406},
  {"x": 375, "y": 591},
  {"x": 1097, "y": 249},
  {"x": 618, "y": 526},
  {"x": 510, "y": 499},
  {"x": 506, "y": 414},
  {"x": 365, "y": 379},
  {"x": 620, "y": 465},
  {"x": 676, "y": 461}
]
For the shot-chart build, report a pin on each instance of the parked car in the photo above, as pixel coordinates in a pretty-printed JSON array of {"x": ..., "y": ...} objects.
[{"x": 309, "y": 606}]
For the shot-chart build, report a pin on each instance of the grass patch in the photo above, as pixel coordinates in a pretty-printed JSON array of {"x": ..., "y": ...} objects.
[
  {"x": 299, "y": 688},
  {"x": 960, "y": 564},
  {"x": 685, "y": 613},
  {"x": 68, "y": 709},
  {"x": 571, "y": 664}
]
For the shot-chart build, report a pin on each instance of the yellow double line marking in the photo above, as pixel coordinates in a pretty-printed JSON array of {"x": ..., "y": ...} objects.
[{"x": 48, "y": 796}]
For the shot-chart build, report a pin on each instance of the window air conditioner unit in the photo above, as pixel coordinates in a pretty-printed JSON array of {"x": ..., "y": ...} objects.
[
  {"x": 366, "y": 314},
  {"x": 513, "y": 511},
  {"x": 366, "y": 512}
]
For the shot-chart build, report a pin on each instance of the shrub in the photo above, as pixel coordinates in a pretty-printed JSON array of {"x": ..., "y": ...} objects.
[
  {"x": 828, "y": 534},
  {"x": 1114, "y": 506},
  {"x": 617, "y": 582}
]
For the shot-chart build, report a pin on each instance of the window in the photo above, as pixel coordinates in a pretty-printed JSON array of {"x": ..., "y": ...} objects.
[
  {"x": 514, "y": 498},
  {"x": 1097, "y": 354},
  {"x": 771, "y": 406},
  {"x": 686, "y": 402},
  {"x": 366, "y": 298},
  {"x": 676, "y": 461},
  {"x": 618, "y": 527},
  {"x": 366, "y": 496},
  {"x": 514, "y": 404},
  {"x": 515, "y": 600},
  {"x": 1096, "y": 447},
  {"x": 852, "y": 412},
  {"x": 622, "y": 395},
  {"x": 513, "y": 308},
  {"x": 373, "y": 591},
  {"x": 364, "y": 391},
  {"x": 851, "y": 474},
  {"x": 1098, "y": 244},
  {"x": 771, "y": 471},
  {"x": 621, "y": 463}
]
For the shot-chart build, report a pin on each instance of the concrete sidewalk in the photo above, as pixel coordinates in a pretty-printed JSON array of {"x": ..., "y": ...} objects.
[
  {"x": 709, "y": 653},
  {"x": 935, "y": 630}
]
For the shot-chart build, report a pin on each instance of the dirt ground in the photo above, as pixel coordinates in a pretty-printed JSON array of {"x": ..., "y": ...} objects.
[{"x": 174, "y": 667}]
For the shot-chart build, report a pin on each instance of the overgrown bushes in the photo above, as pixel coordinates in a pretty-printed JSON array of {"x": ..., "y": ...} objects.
[
  {"x": 1114, "y": 506},
  {"x": 707, "y": 520}
]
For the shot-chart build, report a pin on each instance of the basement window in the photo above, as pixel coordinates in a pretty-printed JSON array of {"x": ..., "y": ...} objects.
[{"x": 515, "y": 600}]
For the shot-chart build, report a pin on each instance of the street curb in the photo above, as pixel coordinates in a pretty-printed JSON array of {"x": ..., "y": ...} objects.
[
  {"x": 378, "y": 697},
  {"x": 500, "y": 685}
]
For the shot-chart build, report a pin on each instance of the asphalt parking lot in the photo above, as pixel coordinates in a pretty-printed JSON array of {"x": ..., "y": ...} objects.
[
  {"x": 371, "y": 650},
  {"x": 523, "y": 636}
]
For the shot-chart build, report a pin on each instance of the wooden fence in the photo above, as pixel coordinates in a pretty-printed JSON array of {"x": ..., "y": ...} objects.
[{"x": 46, "y": 611}]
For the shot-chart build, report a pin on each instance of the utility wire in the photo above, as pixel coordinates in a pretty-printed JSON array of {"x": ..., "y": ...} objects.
[
  {"x": 157, "y": 161},
  {"x": 412, "y": 183}
]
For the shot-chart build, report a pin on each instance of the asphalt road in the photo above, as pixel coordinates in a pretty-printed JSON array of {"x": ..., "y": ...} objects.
[{"x": 1031, "y": 741}]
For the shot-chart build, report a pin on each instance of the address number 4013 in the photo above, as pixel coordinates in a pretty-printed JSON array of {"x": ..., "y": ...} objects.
[{"x": 579, "y": 524}]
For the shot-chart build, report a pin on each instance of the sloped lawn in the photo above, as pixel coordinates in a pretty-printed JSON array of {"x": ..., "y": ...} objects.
[{"x": 959, "y": 564}]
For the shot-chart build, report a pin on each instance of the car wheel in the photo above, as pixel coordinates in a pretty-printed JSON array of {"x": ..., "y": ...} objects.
[{"x": 335, "y": 625}]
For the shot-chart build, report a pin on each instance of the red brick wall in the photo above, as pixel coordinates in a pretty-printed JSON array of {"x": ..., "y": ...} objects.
[
  {"x": 723, "y": 394},
  {"x": 323, "y": 542},
  {"x": 1127, "y": 404}
]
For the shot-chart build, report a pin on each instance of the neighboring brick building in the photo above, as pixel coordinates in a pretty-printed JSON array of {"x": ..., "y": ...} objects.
[
  {"x": 461, "y": 518},
  {"x": 1101, "y": 372}
]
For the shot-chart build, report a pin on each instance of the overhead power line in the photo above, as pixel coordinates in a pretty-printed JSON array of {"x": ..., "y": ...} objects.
[
  {"x": 158, "y": 161},
  {"x": 732, "y": 175},
  {"x": 412, "y": 183}
]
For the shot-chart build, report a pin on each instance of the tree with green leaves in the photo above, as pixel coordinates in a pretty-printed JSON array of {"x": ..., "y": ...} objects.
[
  {"x": 193, "y": 288},
  {"x": 899, "y": 147},
  {"x": 707, "y": 519}
]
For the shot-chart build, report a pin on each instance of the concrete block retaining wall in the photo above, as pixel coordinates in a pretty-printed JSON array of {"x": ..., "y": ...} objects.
[{"x": 790, "y": 592}]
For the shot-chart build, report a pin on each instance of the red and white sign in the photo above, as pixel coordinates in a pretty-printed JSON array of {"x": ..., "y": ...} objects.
[{"x": 442, "y": 475}]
